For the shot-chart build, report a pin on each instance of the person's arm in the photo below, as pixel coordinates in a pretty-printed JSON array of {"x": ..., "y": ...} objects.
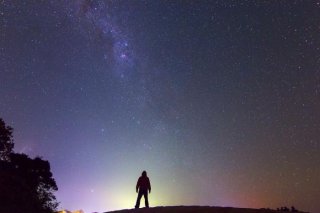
[
  {"x": 149, "y": 185},
  {"x": 138, "y": 184}
]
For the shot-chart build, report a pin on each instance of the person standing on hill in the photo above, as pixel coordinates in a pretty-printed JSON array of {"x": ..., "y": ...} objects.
[{"x": 143, "y": 185}]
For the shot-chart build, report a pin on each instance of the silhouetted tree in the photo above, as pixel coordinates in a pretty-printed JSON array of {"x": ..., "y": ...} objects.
[
  {"x": 284, "y": 209},
  {"x": 26, "y": 184},
  {"x": 6, "y": 141}
]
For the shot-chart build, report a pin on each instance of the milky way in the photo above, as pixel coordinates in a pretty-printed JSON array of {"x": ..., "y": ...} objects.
[
  {"x": 96, "y": 15},
  {"x": 217, "y": 100}
]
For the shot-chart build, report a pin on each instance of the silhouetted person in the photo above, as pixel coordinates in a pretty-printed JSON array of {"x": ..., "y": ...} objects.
[
  {"x": 293, "y": 209},
  {"x": 143, "y": 185}
]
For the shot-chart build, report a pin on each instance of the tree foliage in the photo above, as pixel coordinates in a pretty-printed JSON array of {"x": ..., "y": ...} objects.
[
  {"x": 26, "y": 184},
  {"x": 6, "y": 140}
]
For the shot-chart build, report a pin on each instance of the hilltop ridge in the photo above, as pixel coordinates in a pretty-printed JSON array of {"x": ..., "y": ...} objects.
[{"x": 195, "y": 209}]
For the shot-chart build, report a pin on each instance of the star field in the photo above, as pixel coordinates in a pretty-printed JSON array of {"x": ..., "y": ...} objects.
[{"x": 217, "y": 100}]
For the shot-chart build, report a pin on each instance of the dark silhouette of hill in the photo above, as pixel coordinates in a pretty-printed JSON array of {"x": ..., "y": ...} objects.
[{"x": 195, "y": 209}]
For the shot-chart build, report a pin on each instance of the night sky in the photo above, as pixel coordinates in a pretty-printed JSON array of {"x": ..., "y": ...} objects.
[{"x": 219, "y": 101}]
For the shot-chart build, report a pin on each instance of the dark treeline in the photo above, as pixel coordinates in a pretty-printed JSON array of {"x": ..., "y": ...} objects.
[
  {"x": 26, "y": 184},
  {"x": 286, "y": 209}
]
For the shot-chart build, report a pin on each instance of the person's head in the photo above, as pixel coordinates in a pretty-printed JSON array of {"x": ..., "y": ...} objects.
[{"x": 144, "y": 173}]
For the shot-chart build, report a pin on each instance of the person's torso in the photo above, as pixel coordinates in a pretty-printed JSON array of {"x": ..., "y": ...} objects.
[{"x": 143, "y": 183}]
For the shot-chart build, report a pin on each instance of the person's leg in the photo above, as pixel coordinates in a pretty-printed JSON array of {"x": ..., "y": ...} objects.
[
  {"x": 146, "y": 199},
  {"x": 138, "y": 199}
]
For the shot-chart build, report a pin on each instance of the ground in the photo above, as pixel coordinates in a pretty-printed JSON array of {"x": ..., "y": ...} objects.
[{"x": 195, "y": 209}]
